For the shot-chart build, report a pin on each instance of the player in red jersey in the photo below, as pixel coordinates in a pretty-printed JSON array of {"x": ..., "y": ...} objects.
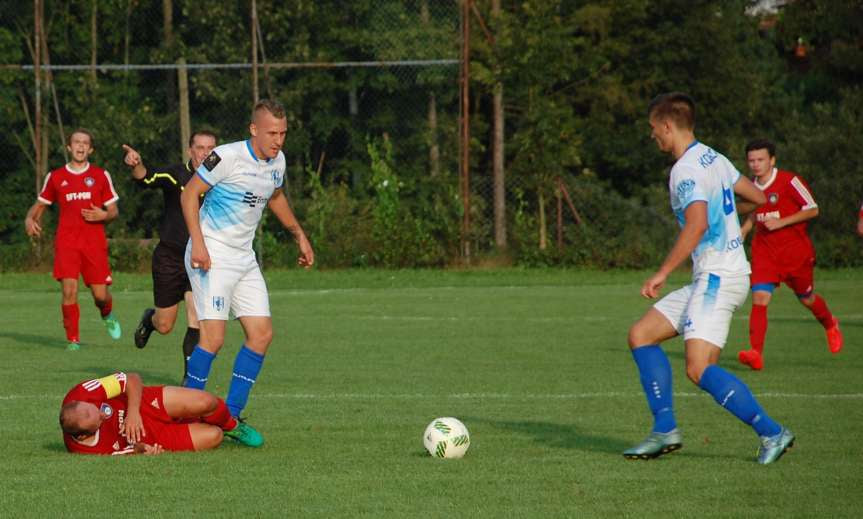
[
  {"x": 781, "y": 249},
  {"x": 117, "y": 414},
  {"x": 87, "y": 201}
]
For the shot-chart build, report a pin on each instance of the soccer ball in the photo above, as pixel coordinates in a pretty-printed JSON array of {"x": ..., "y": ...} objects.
[{"x": 446, "y": 438}]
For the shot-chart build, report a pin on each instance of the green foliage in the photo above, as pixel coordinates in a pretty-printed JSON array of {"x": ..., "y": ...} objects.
[{"x": 576, "y": 77}]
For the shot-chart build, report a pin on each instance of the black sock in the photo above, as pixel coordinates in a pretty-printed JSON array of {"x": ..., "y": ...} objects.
[{"x": 193, "y": 336}]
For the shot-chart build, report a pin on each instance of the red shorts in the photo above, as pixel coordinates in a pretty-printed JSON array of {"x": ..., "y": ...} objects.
[
  {"x": 168, "y": 432},
  {"x": 799, "y": 277},
  {"x": 90, "y": 262}
]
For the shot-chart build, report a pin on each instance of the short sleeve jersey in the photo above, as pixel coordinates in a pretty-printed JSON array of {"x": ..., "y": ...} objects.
[
  {"x": 109, "y": 395},
  {"x": 702, "y": 174},
  {"x": 786, "y": 194},
  {"x": 241, "y": 186},
  {"x": 171, "y": 180},
  {"x": 73, "y": 191}
]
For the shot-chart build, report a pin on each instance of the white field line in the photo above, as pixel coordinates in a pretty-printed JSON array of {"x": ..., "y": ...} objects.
[{"x": 485, "y": 396}]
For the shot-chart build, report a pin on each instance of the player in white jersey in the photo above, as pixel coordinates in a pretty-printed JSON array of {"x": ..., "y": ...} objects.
[
  {"x": 240, "y": 179},
  {"x": 702, "y": 185}
]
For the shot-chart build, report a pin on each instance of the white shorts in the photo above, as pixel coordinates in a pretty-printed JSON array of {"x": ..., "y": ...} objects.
[
  {"x": 233, "y": 284},
  {"x": 703, "y": 310}
]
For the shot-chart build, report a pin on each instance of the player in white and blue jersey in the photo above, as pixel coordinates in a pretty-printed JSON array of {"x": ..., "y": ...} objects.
[
  {"x": 702, "y": 186},
  {"x": 240, "y": 180}
]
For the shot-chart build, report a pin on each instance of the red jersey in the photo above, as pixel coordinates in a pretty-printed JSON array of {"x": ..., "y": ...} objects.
[
  {"x": 74, "y": 191},
  {"x": 109, "y": 395},
  {"x": 786, "y": 194}
]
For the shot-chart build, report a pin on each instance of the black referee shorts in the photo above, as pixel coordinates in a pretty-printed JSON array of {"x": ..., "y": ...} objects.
[{"x": 170, "y": 280}]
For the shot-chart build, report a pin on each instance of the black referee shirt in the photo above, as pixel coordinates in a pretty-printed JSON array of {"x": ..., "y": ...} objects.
[{"x": 171, "y": 179}]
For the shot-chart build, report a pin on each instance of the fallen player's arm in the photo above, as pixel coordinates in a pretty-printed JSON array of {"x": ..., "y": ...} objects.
[{"x": 133, "y": 426}]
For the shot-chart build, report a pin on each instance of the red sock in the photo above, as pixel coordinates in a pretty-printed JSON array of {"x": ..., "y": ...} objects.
[
  {"x": 821, "y": 312},
  {"x": 71, "y": 316},
  {"x": 221, "y": 417},
  {"x": 757, "y": 327},
  {"x": 106, "y": 307}
]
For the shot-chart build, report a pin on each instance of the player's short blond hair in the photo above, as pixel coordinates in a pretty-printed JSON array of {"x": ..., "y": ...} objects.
[
  {"x": 674, "y": 106},
  {"x": 274, "y": 107},
  {"x": 68, "y": 421}
]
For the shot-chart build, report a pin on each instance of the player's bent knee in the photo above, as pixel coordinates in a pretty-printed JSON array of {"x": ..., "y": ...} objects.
[
  {"x": 694, "y": 372},
  {"x": 205, "y": 437},
  {"x": 639, "y": 335},
  {"x": 164, "y": 327}
]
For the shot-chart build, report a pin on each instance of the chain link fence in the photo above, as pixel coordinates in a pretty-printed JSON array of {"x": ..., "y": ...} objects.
[{"x": 371, "y": 90}]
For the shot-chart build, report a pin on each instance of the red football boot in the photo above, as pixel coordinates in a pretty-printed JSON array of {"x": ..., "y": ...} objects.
[
  {"x": 751, "y": 358},
  {"x": 834, "y": 337}
]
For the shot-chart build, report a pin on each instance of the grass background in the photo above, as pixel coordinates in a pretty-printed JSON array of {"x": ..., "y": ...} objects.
[{"x": 533, "y": 361}]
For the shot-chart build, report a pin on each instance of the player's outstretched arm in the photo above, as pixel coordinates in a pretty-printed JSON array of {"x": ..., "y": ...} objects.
[
  {"x": 32, "y": 221},
  {"x": 689, "y": 237},
  {"x": 279, "y": 205},
  {"x": 189, "y": 200},
  {"x": 133, "y": 426},
  {"x": 133, "y": 160}
]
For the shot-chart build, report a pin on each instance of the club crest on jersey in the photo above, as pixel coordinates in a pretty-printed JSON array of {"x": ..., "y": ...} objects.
[
  {"x": 106, "y": 410},
  {"x": 212, "y": 161},
  {"x": 218, "y": 303},
  {"x": 89, "y": 181},
  {"x": 773, "y": 198},
  {"x": 277, "y": 178}
]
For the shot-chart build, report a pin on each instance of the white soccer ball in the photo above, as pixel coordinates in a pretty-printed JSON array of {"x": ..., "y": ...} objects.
[{"x": 446, "y": 437}]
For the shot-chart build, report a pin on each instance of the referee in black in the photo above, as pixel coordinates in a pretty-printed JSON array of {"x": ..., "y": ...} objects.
[{"x": 170, "y": 282}]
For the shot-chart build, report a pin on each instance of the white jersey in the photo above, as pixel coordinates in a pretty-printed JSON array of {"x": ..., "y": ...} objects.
[
  {"x": 241, "y": 186},
  {"x": 702, "y": 174}
]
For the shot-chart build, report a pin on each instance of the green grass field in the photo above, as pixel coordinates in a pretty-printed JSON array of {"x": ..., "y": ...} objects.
[{"x": 534, "y": 362}]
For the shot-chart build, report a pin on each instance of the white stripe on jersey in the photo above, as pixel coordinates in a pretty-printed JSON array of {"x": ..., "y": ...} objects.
[
  {"x": 91, "y": 385},
  {"x": 803, "y": 192},
  {"x": 44, "y": 184},
  {"x": 114, "y": 195}
]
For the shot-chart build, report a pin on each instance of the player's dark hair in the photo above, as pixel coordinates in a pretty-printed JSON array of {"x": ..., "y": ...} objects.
[
  {"x": 675, "y": 106},
  {"x": 761, "y": 144},
  {"x": 67, "y": 422},
  {"x": 203, "y": 133},
  {"x": 85, "y": 132},
  {"x": 274, "y": 107}
]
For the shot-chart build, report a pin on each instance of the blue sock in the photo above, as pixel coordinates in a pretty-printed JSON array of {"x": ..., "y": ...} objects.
[
  {"x": 732, "y": 394},
  {"x": 198, "y": 368},
  {"x": 655, "y": 372},
  {"x": 246, "y": 369}
]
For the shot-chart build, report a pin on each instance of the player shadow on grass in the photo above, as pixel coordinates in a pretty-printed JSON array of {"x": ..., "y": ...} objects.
[
  {"x": 561, "y": 436},
  {"x": 36, "y": 340},
  {"x": 55, "y": 446}
]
